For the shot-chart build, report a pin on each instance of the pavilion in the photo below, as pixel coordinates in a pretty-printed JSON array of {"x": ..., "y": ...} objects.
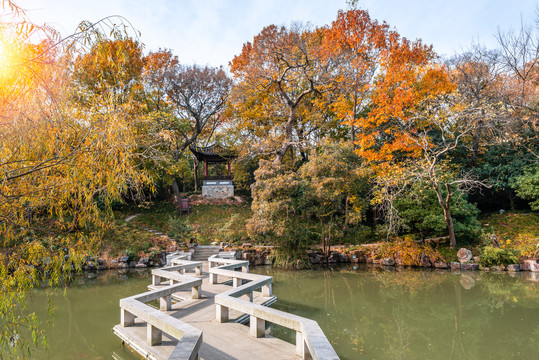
[{"x": 219, "y": 186}]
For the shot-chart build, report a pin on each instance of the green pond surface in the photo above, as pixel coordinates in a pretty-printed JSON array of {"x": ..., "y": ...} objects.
[{"x": 366, "y": 312}]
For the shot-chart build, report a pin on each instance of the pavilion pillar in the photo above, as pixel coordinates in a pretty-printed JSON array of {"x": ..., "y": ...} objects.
[
  {"x": 229, "y": 168},
  {"x": 206, "y": 168}
]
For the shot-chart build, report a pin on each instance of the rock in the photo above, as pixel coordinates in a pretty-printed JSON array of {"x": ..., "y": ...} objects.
[
  {"x": 370, "y": 260},
  {"x": 529, "y": 265},
  {"x": 344, "y": 258},
  {"x": 100, "y": 261},
  {"x": 102, "y": 267},
  {"x": 440, "y": 265},
  {"x": 222, "y": 244},
  {"x": 140, "y": 266},
  {"x": 315, "y": 259},
  {"x": 455, "y": 266},
  {"x": 424, "y": 261},
  {"x": 259, "y": 259},
  {"x": 485, "y": 269},
  {"x": 388, "y": 262},
  {"x": 513, "y": 267},
  {"x": 334, "y": 257},
  {"x": 213, "y": 243},
  {"x": 122, "y": 265},
  {"x": 123, "y": 259},
  {"x": 377, "y": 261},
  {"x": 476, "y": 259},
  {"x": 467, "y": 282},
  {"x": 469, "y": 266},
  {"x": 114, "y": 262},
  {"x": 246, "y": 245},
  {"x": 144, "y": 261},
  {"x": 132, "y": 264},
  {"x": 499, "y": 268},
  {"x": 464, "y": 255}
]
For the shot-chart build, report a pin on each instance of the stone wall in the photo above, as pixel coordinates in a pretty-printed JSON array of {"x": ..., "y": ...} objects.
[{"x": 217, "y": 191}]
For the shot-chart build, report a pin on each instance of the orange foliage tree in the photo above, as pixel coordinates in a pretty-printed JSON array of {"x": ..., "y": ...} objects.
[{"x": 280, "y": 75}]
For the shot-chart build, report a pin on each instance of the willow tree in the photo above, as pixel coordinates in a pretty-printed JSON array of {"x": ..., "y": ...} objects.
[{"x": 58, "y": 163}]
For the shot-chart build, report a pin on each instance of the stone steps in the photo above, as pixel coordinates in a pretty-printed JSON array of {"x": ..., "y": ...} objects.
[{"x": 202, "y": 252}]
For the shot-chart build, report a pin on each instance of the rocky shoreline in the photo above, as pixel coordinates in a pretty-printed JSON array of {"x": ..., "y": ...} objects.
[
  {"x": 124, "y": 262},
  {"x": 262, "y": 256},
  {"x": 466, "y": 261}
]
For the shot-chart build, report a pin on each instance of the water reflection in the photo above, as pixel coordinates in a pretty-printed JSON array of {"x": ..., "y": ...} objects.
[
  {"x": 366, "y": 312},
  {"x": 85, "y": 314},
  {"x": 393, "y": 313}
]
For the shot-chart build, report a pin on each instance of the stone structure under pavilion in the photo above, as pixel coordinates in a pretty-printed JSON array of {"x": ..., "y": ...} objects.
[{"x": 220, "y": 186}]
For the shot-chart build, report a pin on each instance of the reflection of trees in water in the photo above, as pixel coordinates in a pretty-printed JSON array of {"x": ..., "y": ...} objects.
[
  {"x": 416, "y": 314},
  {"x": 398, "y": 338},
  {"x": 457, "y": 334},
  {"x": 410, "y": 282}
]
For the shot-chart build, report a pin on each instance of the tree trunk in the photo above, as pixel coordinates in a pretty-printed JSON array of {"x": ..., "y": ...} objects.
[
  {"x": 511, "y": 200},
  {"x": 195, "y": 173},
  {"x": 288, "y": 136},
  {"x": 444, "y": 203},
  {"x": 352, "y": 126},
  {"x": 176, "y": 189},
  {"x": 450, "y": 227},
  {"x": 346, "y": 213}
]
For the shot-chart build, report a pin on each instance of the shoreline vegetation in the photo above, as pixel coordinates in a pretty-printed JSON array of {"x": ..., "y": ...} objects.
[{"x": 516, "y": 235}]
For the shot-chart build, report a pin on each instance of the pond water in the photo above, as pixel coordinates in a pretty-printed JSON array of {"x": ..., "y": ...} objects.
[
  {"x": 366, "y": 312},
  {"x": 85, "y": 313},
  {"x": 377, "y": 313}
]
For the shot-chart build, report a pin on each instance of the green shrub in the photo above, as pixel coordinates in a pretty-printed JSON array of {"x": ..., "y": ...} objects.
[
  {"x": 179, "y": 229},
  {"x": 491, "y": 256},
  {"x": 448, "y": 254},
  {"x": 131, "y": 254},
  {"x": 421, "y": 214}
]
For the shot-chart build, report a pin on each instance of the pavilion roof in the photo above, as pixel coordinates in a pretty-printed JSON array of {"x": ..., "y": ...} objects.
[{"x": 215, "y": 153}]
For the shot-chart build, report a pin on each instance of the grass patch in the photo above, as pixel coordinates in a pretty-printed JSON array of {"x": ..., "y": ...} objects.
[
  {"x": 123, "y": 238},
  {"x": 208, "y": 223},
  {"x": 514, "y": 230}
]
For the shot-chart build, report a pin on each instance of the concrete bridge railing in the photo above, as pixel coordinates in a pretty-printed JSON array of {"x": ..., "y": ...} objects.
[
  {"x": 310, "y": 339},
  {"x": 157, "y": 322}
]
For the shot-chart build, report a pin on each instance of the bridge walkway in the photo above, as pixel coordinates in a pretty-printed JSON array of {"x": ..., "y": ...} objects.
[{"x": 229, "y": 340}]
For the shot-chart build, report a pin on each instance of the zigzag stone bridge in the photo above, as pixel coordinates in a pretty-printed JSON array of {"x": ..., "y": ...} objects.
[{"x": 199, "y": 315}]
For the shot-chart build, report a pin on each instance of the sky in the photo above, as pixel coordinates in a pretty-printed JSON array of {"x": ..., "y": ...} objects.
[{"x": 212, "y": 32}]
